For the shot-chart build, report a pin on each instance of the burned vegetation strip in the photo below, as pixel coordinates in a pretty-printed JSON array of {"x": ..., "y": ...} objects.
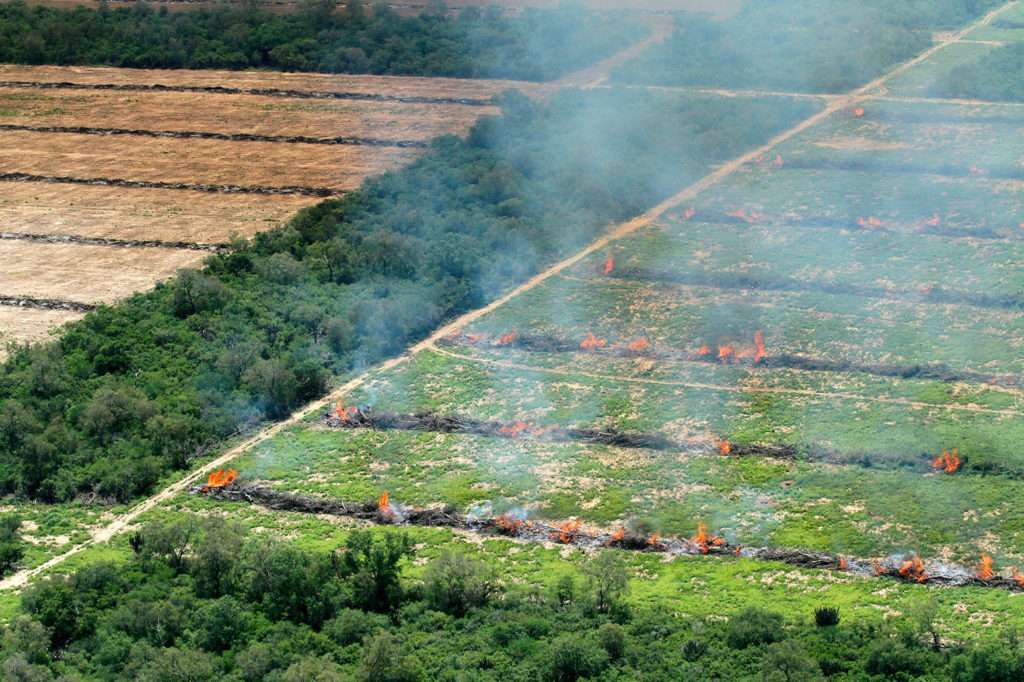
[
  {"x": 154, "y": 184},
  {"x": 231, "y": 137},
  {"x": 265, "y": 92},
  {"x": 719, "y": 354},
  {"x": 889, "y": 166},
  {"x": 908, "y": 568},
  {"x": 110, "y": 241},
  {"x": 930, "y": 293},
  {"x": 46, "y": 304}
]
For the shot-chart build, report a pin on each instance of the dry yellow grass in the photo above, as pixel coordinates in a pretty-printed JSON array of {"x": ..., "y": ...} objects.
[
  {"x": 25, "y": 325},
  {"x": 337, "y": 167},
  {"x": 250, "y": 114},
  {"x": 138, "y": 213},
  {"x": 462, "y": 88},
  {"x": 83, "y": 273}
]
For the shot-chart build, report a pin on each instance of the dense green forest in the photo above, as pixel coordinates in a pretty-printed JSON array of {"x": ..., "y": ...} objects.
[
  {"x": 539, "y": 45},
  {"x": 822, "y": 46},
  {"x": 135, "y": 390},
  {"x": 201, "y": 601},
  {"x": 997, "y": 76}
]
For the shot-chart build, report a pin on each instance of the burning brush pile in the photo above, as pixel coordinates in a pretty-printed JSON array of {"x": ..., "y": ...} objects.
[
  {"x": 726, "y": 352},
  {"x": 385, "y": 511}
]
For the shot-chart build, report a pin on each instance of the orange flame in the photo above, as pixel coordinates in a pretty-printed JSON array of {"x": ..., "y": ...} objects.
[
  {"x": 344, "y": 413},
  {"x": 507, "y": 339},
  {"x": 737, "y": 552},
  {"x": 879, "y": 568},
  {"x": 740, "y": 213},
  {"x": 704, "y": 540},
  {"x": 592, "y": 342},
  {"x": 842, "y": 563},
  {"x": 858, "y": 111},
  {"x": 638, "y": 346},
  {"x": 474, "y": 338},
  {"x": 860, "y": 221},
  {"x": 933, "y": 221},
  {"x": 948, "y": 462},
  {"x": 654, "y": 540},
  {"x": 1018, "y": 576},
  {"x": 219, "y": 479},
  {"x": 609, "y": 264},
  {"x": 618, "y": 535},
  {"x": 724, "y": 350},
  {"x": 874, "y": 222},
  {"x": 688, "y": 213},
  {"x": 566, "y": 531},
  {"x": 984, "y": 569},
  {"x": 704, "y": 350},
  {"x": 778, "y": 162},
  {"x": 914, "y": 569},
  {"x": 519, "y": 427},
  {"x": 382, "y": 503},
  {"x": 759, "y": 346},
  {"x": 724, "y": 447},
  {"x": 976, "y": 170}
]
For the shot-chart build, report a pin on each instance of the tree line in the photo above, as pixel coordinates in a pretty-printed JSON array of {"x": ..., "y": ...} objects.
[
  {"x": 539, "y": 45},
  {"x": 200, "y": 600}
]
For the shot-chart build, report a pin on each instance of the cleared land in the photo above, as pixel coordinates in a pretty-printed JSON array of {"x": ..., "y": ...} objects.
[
  {"x": 86, "y": 274},
  {"x": 25, "y": 325},
  {"x": 161, "y": 214},
  {"x": 261, "y": 164},
  {"x": 233, "y": 114}
]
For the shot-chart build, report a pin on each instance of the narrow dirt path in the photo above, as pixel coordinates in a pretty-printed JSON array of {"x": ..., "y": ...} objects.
[
  {"x": 597, "y": 73},
  {"x": 124, "y": 521},
  {"x": 720, "y": 387}
]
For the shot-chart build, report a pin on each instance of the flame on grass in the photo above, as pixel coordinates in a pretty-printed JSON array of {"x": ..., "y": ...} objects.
[
  {"x": 593, "y": 342},
  {"x": 507, "y": 339},
  {"x": 705, "y": 540},
  {"x": 638, "y": 346},
  {"x": 948, "y": 461},
  {"x": 723, "y": 447},
  {"x": 984, "y": 569},
  {"x": 913, "y": 569},
  {"x": 609, "y": 264}
]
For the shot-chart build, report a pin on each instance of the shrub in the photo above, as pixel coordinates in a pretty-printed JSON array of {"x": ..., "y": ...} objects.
[
  {"x": 826, "y": 616},
  {"x": 753, "y": 626}
]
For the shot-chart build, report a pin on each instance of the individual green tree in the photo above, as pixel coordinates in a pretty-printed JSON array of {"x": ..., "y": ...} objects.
[
  {"x": 572, "y": 656},
  {"x": 786, "y": 661},
  {"x": 372, "y": 566},
  {"x": 607, "y": 580},
  {"x": 454, "y": 583},
  {"x": 11, "y": 545},
  {"x": 753, "y": 626},
  {"x": 385, "y": 660}
]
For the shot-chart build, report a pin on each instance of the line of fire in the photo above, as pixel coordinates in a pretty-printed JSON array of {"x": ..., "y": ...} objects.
[{"x": 224, "y": 486}]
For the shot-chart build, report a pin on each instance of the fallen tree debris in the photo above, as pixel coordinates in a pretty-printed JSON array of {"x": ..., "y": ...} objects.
[
  {"x": 46, "y": 304},
  {"x": 385, "y": 512}
]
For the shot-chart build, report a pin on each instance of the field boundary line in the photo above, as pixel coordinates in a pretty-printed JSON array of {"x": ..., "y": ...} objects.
[
  {"x": 719, "y": 387},
  {"x": 122, "y": 522}
]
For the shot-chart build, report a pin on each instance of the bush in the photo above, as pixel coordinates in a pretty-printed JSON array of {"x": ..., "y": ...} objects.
[
  {"x": 613, "y": 638},
  {"x": 826, "y": 616},
  {"x": 753, "y": 626},
  {"x": 454, "y": 583},
  {"x": 573, "y": 657}
]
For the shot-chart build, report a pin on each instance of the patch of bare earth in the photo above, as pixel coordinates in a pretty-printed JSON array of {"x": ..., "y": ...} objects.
[{"x": 26, "y": 325}]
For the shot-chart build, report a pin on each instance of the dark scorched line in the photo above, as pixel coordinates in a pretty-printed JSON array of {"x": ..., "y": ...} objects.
[
  {"x": 538, "y": 531},
  {"x": 929, "y": 371},
  {"x": 946, "y": 170},
  {"x": 46, "y": 304},
  {"x": 109, "y": 241},
  {"x": 852, "y": 225},
  {"x": 266, "y": 92},
  {"x": 149, "y": 184},
  {"x": 231, "y": 137},
  {"x": 935, "y": 294}
]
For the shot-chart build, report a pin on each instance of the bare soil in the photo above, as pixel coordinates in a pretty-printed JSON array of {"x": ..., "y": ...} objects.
[
  {"x": 161, "y": 214},
  {"x": 196, "y": 161},
  {"x": 462, "y": 88},
  {"x": 25, "y": 325},
  {"x": 232, "y": 114},
  {"x": 87, "y": 274}
]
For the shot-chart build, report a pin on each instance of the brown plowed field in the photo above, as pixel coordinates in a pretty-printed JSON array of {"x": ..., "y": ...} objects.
[
  {"x": 85, "y": 273},
  {"x": 394, "y": 86},
  {"x": 161, "y": 214},
  {"x": 126, "y": 157},
  {"x": 21, "y": 325},
  {"x": 232, "y": 114}
]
